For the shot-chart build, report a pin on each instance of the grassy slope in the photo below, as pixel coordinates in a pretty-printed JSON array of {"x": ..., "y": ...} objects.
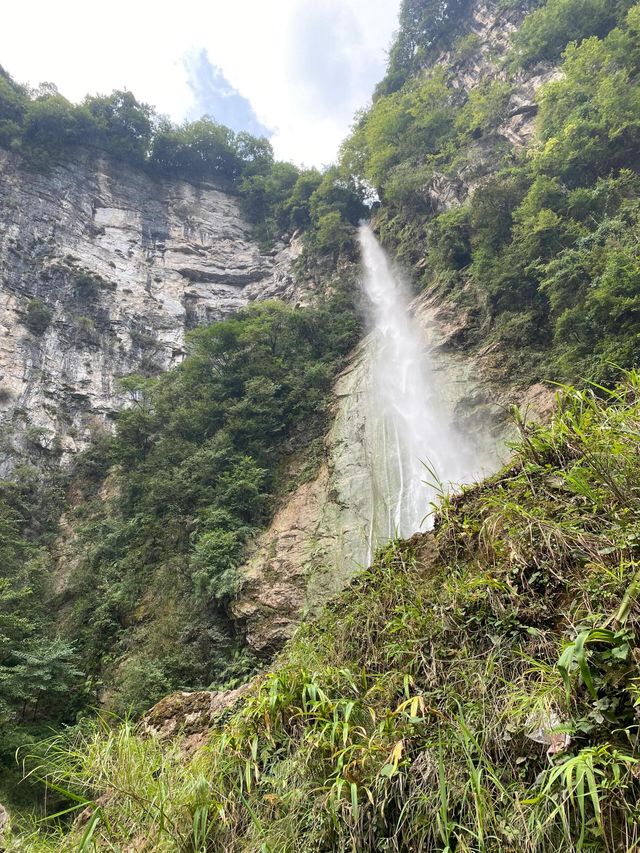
[{"x": 404, "y": 718}]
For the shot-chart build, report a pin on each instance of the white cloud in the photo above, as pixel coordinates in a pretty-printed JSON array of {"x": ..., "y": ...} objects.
[
  {"x": 213, "y": 95},
  {"x": 305, "y": 65}
]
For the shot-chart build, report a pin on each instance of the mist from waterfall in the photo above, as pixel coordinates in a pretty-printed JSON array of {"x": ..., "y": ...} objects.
[{"x": 414, "y": 443}]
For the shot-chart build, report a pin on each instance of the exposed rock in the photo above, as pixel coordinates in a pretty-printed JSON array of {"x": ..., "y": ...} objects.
[
  {"x": 189, "y": 715},
  {"x": 538, "y": 402},
  {"x": 4, "y": 819},
  {"x": 445, "y": 192},
  {"x": 519, "y": 126},
  {"x": 491, "y": 26},
  {"x": 115, "y": 266},
  {"x": 275, "y": 579},
  {"x": 328, "y": 528}
]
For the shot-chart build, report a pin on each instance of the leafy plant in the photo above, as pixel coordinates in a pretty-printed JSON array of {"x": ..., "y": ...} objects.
[{"x": 38, "y": 317}]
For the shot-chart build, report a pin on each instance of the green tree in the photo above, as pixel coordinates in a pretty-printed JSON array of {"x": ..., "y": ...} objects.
[
  {"x": 424, "y": 27},
  {"x": 121, "y": 124},
  {"x": 546, "y": 32},
  {"x": 44, "y": 673}
]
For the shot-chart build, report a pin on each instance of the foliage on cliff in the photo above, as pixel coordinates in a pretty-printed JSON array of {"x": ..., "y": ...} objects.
[
  {"x": 544, "y": 252},
  {"x": 45, "y": 128},
  {"x": 199, "y": 458},
  {"x": 476, "y": 689},
  {"x": 38, "y": 670}
]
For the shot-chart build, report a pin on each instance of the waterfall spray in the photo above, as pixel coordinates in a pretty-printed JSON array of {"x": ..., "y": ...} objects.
[{"x": 415, "y": 444}]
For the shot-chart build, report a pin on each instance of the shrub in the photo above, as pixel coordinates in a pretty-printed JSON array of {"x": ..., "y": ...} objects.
[
  {"x": 38, "y": 317},
  {"x": 546, "y": 32},
  {"x": 475, "y": 689}
]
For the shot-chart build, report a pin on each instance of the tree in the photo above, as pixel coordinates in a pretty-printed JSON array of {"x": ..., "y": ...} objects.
[
  {"x": 546, "y": 32},
  {"x": 423, "y": 26},
  {"x": 199, "y": 150},
  {"x": 33, "y": 668},
  {"x": 121, "y": 124},
  {"x": 44, "y": 671},
  {"x": 331, "y": 233}
]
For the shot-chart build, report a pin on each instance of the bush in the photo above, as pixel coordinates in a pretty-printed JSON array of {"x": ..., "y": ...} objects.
[
  {"x": 200, "y": 454},
  {"x": 480, "y": 681},
  {"x": 546, "y": 32},
  {"x": 38, "y": 317}
]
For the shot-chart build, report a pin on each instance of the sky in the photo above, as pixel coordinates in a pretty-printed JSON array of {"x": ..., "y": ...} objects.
[{"x": 294, "y": 70}]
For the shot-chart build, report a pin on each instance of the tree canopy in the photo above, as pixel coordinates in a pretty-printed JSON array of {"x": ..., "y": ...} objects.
[{"x": 277, "y": 197}]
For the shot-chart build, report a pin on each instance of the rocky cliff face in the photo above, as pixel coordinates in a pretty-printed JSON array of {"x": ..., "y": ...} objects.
[
  {"x": 479, "y": 58},
  {"x": 102, "y": 271},
  {"x": 327, "y": 529}
]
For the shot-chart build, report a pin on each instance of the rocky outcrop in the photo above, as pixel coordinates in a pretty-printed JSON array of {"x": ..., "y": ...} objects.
[
  {"x": 189, "y": 716},
  {"x": 102, "y": 271},
  {"x": 477, "y": 58}
]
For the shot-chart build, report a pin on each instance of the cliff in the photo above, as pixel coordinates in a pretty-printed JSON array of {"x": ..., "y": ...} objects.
[
  {"x": 476, "y": 687},
  {"x": 326, "y": 530},
  {"x": 105, "y": 268},
  {"x": 447, "y": 684},
  {"x": 329, "y": 528},
  {"x": 103, "y": 271}
]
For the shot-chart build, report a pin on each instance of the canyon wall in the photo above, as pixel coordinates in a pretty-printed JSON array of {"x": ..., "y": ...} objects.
[{"x": 325, "y": 530}]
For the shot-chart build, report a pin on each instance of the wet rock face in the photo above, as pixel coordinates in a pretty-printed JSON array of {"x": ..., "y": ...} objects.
[
  {"x": 102, "y": 271},
  {"x": 328, "y": 529}
]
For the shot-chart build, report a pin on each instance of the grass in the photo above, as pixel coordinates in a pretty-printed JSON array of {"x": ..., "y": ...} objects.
[{"x": 477, "y": 689}]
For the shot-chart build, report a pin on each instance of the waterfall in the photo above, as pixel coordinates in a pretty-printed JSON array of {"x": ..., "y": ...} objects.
[{"x": 413, "y": 442}]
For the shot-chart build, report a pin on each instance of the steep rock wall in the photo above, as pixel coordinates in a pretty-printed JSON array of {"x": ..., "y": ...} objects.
[
  {"x": 491, "y": 25},
  {"x": 102, "y": 271},
  {"x": 326, "y": 530}
]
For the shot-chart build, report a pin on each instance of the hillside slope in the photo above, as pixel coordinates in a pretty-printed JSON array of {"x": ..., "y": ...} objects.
[{"x": 476, "y": 689}]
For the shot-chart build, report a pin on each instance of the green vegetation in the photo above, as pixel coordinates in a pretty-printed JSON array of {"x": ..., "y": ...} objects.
[
  {"x": 426, "y": 27},
  {"x": 163, "y": 514},
  {"x": 544, "y": 254},
  {"x": 277, "y": 197},
  {"x": 38, "y": 317},
  {"x": 199, "y": 456},
  {"x": 477, "y": 689},
  {"x": 547, "y": 31},
  {"x": 38, "y": 670}
]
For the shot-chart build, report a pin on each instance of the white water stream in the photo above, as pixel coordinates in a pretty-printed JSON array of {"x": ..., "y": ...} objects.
[{"x": 411, "y": 433}]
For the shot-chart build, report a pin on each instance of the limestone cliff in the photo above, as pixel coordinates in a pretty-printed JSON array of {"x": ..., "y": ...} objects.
[
  {"x": 478, "y": 57},
  {"x": 102, "y": 271}
]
